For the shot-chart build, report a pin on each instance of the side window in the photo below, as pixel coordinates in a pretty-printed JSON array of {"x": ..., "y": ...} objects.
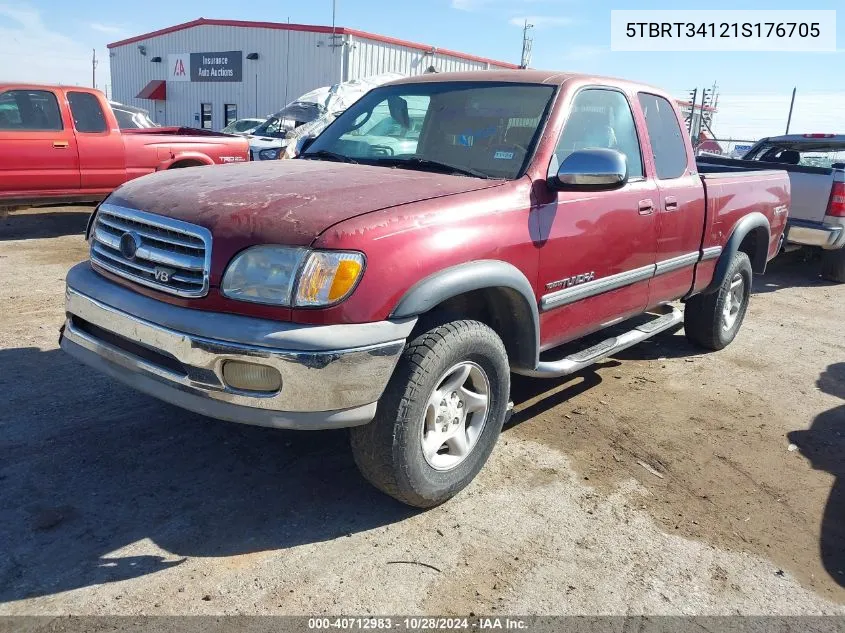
[
  {"x": 600, "y": 118},
  {"x": 29, "y": 110},
  {"x": 125, "y": 121},
  {"x": 86, "y": 111},
  {"x": 664, "y": 131},
  {"x": 205, "y": 116}
]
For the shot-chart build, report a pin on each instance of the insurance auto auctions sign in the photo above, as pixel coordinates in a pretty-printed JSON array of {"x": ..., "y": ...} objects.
[{"x": 220, "y": 66}]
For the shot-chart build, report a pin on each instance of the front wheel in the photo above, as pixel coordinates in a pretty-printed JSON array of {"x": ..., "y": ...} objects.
[
  {"x": 713, "y": 320},
  {"x": 439, "y": 417}
]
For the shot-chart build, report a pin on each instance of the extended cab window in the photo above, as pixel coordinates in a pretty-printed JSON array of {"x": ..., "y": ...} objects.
[
  {"x": 87, "y": 114},
  {"x": 600, "y": 118},
  {"x": 29, "y": 110},
  {"x": 484, "y": 129},
  {"x": 667, "y": 142}
]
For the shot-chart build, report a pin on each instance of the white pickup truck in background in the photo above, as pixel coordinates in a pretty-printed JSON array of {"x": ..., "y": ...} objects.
[{"x": 816, "y": 167}]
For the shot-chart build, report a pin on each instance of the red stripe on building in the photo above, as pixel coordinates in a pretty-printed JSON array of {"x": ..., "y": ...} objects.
[{"x": 311, "y": 28}]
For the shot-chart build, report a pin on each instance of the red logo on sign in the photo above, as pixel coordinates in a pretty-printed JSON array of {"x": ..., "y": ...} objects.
[{"x": 179, "y": 69}]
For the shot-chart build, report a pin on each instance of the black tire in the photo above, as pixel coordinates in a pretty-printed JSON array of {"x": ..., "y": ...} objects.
[
  {"x": 833, "y": 265},
  {"x": 388, "y": 450},
  {"x": 704, "y": 320}
]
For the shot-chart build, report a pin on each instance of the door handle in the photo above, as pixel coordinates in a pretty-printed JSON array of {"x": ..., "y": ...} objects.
[
  {"x": 671, "y": 203},
  {"x": 60, "y": 144},
  {"x": 646, "y": 207}
]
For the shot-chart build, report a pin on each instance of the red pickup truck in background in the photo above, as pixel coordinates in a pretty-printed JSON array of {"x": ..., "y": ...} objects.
[
  {"x": 63, "y": 144},
  {"x": 394, "y": 291}
]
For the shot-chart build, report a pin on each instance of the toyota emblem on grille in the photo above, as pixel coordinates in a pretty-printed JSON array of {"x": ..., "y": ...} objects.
[{"x": 130, "y": 242}]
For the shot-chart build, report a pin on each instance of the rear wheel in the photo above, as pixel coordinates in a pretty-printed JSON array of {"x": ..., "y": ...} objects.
[
  {"x": 713, "y": 320},
  {"x": 439, "y": 417},
  {"x": 833, "y": 265}
]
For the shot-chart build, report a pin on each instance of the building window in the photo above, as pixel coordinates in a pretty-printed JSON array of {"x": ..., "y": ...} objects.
[
  {"x": 231, "y": 113},
  {"x": 205, "y": 116}
]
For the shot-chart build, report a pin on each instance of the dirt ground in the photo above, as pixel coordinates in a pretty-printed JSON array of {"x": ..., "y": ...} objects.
[{"x": 665, "y": 481}]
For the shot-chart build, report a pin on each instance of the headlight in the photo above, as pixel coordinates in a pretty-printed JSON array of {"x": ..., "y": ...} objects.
[
  {"x": 268, "y": 274},
  {"x": 269, "y": 154},
  {"x": 263, "y": 274}
]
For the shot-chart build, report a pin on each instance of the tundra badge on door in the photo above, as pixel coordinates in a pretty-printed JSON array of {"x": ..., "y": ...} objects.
[{"x": 571, "y": 281}]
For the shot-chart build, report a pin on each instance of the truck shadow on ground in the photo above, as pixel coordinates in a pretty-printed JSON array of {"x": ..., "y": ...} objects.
[
  {"x": 797, "y": 269},
  {"x": 534, "y": 396},
  {"x": 823, "y": 444},
  {"x": 34, "y": 224},
  {"x": 90, "y": 468}
]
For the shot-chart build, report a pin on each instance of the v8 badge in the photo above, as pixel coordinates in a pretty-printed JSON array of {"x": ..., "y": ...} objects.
[{"x": 163, "y": 274}]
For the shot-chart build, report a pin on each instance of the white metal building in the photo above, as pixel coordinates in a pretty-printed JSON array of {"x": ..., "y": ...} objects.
[{"x": 206, "y": 73}]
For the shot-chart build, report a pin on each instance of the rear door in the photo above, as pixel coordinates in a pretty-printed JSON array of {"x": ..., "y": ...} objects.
[
  {"x": 39, "y": 148},
  {"x": 102, "y": 157},
  {"x": 680, "y": 212},
  {"x": 598, "y": 258}
]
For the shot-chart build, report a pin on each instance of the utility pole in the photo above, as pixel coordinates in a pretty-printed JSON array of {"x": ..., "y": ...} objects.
[
  {"x": 334, "y": 43},
  {"x": 527, "y": 44},
  {"x": 287, "y": 63},
  {"x": 693, "y": 98},
  {"x": 706, "y": 99},
  {"x": 791, "y": 105},
  {"x": 94, "y": 68}
]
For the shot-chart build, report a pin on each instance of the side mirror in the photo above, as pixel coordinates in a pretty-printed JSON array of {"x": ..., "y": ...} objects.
[{"x": 595, "y": 169}]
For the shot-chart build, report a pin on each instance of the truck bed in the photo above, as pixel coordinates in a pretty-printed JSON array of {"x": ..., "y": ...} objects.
[
  {"x": 810, "y": 186},
  {"x": 733, "y": 189},
  {"x": 176, "y": 131},
  {"x": 714, "y": 164}
]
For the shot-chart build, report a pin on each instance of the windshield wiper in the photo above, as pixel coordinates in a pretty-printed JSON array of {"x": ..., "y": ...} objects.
[
  {"x": 324, "y": 154},
  {"x": 433, "y": 165}
]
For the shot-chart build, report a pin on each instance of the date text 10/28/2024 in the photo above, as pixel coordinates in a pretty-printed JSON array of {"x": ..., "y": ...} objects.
[{"x": 418, "y": 623}]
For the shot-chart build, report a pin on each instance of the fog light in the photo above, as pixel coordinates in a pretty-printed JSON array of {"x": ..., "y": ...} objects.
[{"x": 251, "y": 377}]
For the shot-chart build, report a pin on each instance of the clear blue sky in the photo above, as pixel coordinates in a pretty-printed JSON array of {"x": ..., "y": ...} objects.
[{"x": 51, "y": 40}]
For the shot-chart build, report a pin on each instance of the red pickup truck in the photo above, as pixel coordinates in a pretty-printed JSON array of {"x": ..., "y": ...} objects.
[
  {"x": 394, "y": 293},
  {"x": 63, "y": 144}
]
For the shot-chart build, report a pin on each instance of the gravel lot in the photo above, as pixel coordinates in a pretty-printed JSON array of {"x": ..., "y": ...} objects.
[{"x": 661, "y": 482}]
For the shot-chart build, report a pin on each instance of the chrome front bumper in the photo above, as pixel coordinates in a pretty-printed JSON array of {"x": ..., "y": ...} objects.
[{"x": 332, "y": 376}]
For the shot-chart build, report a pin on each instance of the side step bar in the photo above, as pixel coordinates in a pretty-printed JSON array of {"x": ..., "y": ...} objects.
[{"x": 579, "y": 360}]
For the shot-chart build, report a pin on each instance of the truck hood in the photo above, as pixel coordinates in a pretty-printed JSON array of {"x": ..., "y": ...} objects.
[{"x": 283, "y": 202}]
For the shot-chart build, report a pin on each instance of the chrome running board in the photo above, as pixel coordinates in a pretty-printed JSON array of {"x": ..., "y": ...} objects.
[{"x": 579, "y": 360}]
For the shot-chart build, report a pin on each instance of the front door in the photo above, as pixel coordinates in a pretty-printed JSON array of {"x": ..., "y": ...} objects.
[
  {"x": 598, "y": 248},
  {"x": 40, "y": 155}
]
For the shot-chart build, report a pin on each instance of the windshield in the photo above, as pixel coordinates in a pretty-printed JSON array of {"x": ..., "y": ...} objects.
[
  {"x": 242, "y": 126},
  {"x": 807, "y": 154},
  {"x": 288, "y": 118},
  {"x": 484, "y": 128}
]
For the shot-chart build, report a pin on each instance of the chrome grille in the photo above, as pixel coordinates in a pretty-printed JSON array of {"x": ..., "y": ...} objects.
[{"x": 159, "y": 252}]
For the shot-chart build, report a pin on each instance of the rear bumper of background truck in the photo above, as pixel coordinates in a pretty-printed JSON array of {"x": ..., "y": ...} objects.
[
  {"x": 331, "y": 376},
  {"x": 828, "y": 235}
]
